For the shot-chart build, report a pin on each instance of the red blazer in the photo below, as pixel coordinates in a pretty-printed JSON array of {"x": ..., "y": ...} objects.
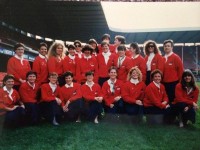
[
  {"x": 182, "y": 96},
  {"x": 70, "y": 65},
  {"x": 6, "y": 101},
  {"x": 123, "y": 70},
  {"x": 102, "y": 66},
  {"x": 47, "y": 95},
  {"x": 18, "y": 70},
  {"x": 40, "y": 67},
  {"x": 84, "y": 66},
  {"x": 27, "y": 93},
  {"x": 141, "y": 64},
  {"x": 70, "y": 94},
  {"x": 154, "y": 96},
  {"x": 108, "y": 95},
  {"x": 173, "y": 68},
  {"x": 112, "y": 48},
  {"x": 89, "y": 94},
  {"x": 156, "y": 63},
  {"x": 132, "y": 92},
  {"x": 55, "y": 65}
]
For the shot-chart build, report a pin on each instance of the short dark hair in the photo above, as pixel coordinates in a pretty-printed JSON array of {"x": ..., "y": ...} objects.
[
  {"x": 121, "y": 39},
  {"x": 87, "y": 47},
  {"x": 105, "y": 36},
  {"x": 42, "y": 44},
  {"x": 135, "y": 46},
  {"x": 18, "y": 45},
  {"x": 70, "y": 46},
  {"x": 112, "y": 68},
  {"x": 77, "y": 42},
  {"x": 7, "y": 77},
  {"x": 89, "y": 73},
  {"x": 121, "y": 48},
  {"x": 68, "y": 73},
  {"x": 155, "y": 72},
  {"x": 169, "y": 41},
  {"x": 104, "y": 43},
  {"x": 30, "y": 73}
]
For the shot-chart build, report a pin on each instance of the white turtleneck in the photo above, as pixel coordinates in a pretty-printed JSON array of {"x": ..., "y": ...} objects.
[
  {"x": 134, "y": 81},
  {"x": 53, "y": 86},
  {"x": 150, "y": 58},
  {"x": 106, "y": 56}
]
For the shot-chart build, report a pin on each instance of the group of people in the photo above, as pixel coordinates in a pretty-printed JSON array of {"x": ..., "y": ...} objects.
[{"x": 82, "y": 81}]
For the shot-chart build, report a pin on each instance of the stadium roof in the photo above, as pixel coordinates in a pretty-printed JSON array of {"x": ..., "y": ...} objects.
[{"x": 71, "y": 20}]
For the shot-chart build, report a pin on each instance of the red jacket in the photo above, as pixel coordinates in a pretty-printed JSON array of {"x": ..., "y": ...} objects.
[
  {"x": 182, "y": 96},
  {"x": 47, "y": 95},
  {"x": 89, "y": 94},
  {"x": 70, "y": 94},
  {"x": 173, "y": 68},
  {"x": 108, "y": 95},
  {"x": 156, "y": 63},
  {"x": 102, "y": 66},
  {"x": 55, "y": 65},
  {"x": 40, "y": 67},
  {"x": 18, "y": 70},
  {"x": 27, "y": 93},
  {"x": 155, "y": 96},
  {"x": 6, "y": 101},
  {"x": 84, "y": 66},
  {"x": 141, "y": 64},
  {"x": 70, "y": 65},
  {"x": 123, "y": 70},
  {"x": 132, "y": 92}
]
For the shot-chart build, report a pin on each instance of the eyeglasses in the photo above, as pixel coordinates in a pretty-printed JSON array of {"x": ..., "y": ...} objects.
[
  {"x": 151, "y": 46},
  {"x": 77, "y": 45}
]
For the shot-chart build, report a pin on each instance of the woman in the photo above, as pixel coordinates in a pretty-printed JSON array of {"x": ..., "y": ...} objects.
[
  {"x": 10, "y": 102},
  {"x": 18, "y": 66},
  {"x": 93, "y": 97},
  {"x": 94, "y": 44},
  {"x": 78, "y": 48},
  {"x": 56, "y": 55},
  {"x": 137, "y": 60},
  {"x": 133, "y": 92},
  {"x": 153, "y": 59},
  {"x": 186, "y": 97}
]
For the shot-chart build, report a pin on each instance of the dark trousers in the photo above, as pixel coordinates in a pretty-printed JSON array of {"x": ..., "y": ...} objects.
[
  {"x": 102, "y": 80},
  {"x": 170, "y": 90},
  {"x": 50, "y": 110},
  {"x": 15, "y": 117},
  {"x": 188, "y": 115},
  {"x": 93, "y": 109},
  {"x": 133, "y": 109},
  {"x": 148, "y": 78},
  {"x": 32, "y": 111},
  {"x": 117, "y": 109},
  {"x": 75, "y": 109},
  {"x": 156, "y": 110}
]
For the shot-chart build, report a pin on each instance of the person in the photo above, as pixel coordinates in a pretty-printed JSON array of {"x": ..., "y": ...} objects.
[
  {"x": 156, "y": 101},
  {"x": 56, "y": 54},
  {"x": 186, "y": 97},
  {"x": 28, "y": 91},
  {"x": 78, "y": 48},
  {"x": 94, "y": 45},
  {"x": 153, "y": 59},
  {"x": 71, "y": 97},
  {"x": 70, "y": 61},
  {"x": 137, "y": 60},
  {"x": 10, "y": 102},
  {"x": 85, "y": 64},
  {"x": 105, "y": 60},
  {"x": 133, "y": 92},
  {"x": 40, "y": 65},
  {"x": 50, "y": 102},
  {"x": 173, "y": 69},
  {"x": 123, "y": 63},
  {"x": 112, "y": 93},
  {"x": 106, "y": 38},
  {"x": 18, "y": 66},
  {"x": 93, "y": 97},
  {"x": 119, "y": 40}
]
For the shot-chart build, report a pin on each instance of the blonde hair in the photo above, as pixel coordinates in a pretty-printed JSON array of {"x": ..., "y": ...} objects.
[
  {"x": 138, "y": 72},
  {"x": 52, "y": 49}
]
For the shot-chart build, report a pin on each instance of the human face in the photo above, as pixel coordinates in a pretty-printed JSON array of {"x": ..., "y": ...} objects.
[
  {"x": 93, "y": 45},
  {"x": 105, "y": 48},
  {"x": 168, "y": 48},
  {"x": 106, "y": 40},
  {"x": 89, "y": 78},
  {"x": 31, "y": 78},
  {"x": 87, "y": 53},
  {"x": 71, "y": 51},
  {"x": 133, "y": 50},
  {"x": 157, "y": 78},
  {"x": 151, "y": 47},
  {"x": 68, "y": 80},
  {"x": 113, "y": 74},
  {"x": 43, "y": 50},
  {"x": 59, "y": 50},
  {"x": 19, "y": 51},
  {"x": 188, "y": 78},
  {"x": 77, "y": 47},
  {"x": 121, "y": 53},
  {"x": 9, "y": 83},
  {"x": 117, "y": 42},
  {"x": 53, "y": 79},
  {"x": 134, "y": 75}
]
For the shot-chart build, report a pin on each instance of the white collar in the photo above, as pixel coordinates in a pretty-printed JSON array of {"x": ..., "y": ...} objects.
[
  {"x": 9, "y": 92},
  {"x": 33, "y": 86},
  {"x": 136, "y": 56},
  {"x": 167, "y": 55},
  {"x": 152, "y": 54},
  {"x": 156, "y": 84},
  {"x": 53, "y": 86},
  {"x": 87, "y": 57},
  {"x": 106, "y": 54},
  {"x": 71, "y": 57},
  {"x": 43, "y": 57},
  {"x": 89, "y": 85},
  {"x": 20, "y": 58},
  {"x": 110, "y": 82},
  {"x": 134, "y": 81},
  {"x": 69, "y": 86}
]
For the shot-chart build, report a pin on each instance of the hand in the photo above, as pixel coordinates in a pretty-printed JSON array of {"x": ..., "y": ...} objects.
[
  {"x": 65, "y": 108},
  {"x": 99, "y": 99},
  {"x": 195, "y": 106},
  {"x": 117, "y": 98},
  {"x": 165, "y": 103},
  {"x": 111, "y": 105},
  {"x": 139, "y": 102},
  {"x": 14, "y": 107},
  {"x": 22, "y": 81},
  {"x": 22, "y": 106},
  {"x": 186, "y": 109},
  {"x": 58, "y": 101},
  {"x": 167, "y": 106}
]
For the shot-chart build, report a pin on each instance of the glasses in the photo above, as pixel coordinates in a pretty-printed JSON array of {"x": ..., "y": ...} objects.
[
  {"x": 151, "y": 46},
  {"x": 77, "y": 45}
]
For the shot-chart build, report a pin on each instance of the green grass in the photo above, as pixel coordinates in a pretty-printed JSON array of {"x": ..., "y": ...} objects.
[{"x": 107, "y": 136}]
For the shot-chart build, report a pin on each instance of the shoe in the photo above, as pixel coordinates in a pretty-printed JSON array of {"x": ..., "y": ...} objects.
[
  {"x": 96, "y": 120},
  {"x": 55, "y": 123},
  {"x": 181, "y": 125}
]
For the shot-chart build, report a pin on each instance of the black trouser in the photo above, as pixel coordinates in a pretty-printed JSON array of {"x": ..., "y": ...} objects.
[
  {"x": 93, "y": 109},
  {"x": 133, "y": 109},
  {"x": 148, "y": 78},
  {"x": 32, "y": 111},
  {"x": 118, "y": 108}
]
